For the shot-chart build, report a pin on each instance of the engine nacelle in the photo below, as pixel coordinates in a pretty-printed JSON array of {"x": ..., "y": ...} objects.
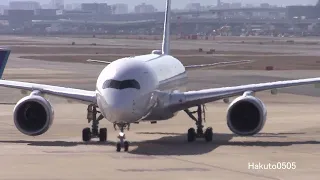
[
  {"x": 33, "y": 115},
  {"x": 246, "y": 115}
]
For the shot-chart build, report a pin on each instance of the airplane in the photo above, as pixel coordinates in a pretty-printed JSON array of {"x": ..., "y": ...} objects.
[{"x": 146, "y": 88}]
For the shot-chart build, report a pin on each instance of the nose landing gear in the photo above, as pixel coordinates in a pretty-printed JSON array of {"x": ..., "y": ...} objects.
[
  {"x": 122, "y": 143},
  {"x": 94, "y": 132},
  {"x": 192, "y": 133}
]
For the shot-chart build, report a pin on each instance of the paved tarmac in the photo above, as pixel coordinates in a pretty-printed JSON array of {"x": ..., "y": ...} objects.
[{"x": 291, "y": 134}]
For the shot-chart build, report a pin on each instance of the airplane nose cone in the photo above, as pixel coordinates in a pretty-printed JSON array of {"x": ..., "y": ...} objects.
[
  {"x": 120, "y": 114},
  {"x": 121, "y": 108}
]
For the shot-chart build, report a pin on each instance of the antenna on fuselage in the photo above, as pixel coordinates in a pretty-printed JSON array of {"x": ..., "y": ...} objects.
[{"x": 166, "y": 29}]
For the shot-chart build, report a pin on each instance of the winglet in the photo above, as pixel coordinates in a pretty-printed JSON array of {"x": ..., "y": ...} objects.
[
  {"x": 166, "y": 30},
  {"x": 4, "y": 55}
]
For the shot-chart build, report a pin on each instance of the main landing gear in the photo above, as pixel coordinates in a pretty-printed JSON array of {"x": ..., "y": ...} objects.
[
  {"x": 122, "y": 136},
  {"x": 194, "y": 134},
  {"x": 94, "y": 132}
]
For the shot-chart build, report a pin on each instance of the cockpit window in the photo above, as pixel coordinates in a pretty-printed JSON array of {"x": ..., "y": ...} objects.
[{"x": 131, "y": 83}]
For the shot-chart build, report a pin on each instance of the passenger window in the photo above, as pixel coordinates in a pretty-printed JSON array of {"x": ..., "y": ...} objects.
[{"x": 131, "y": 83}]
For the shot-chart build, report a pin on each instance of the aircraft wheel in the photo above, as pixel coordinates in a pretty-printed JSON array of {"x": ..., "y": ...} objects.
[
  {"x": 208, "y": 134},
  {"x": 126, "y": 146},
  {"x": 191, "y": 135},
  {"x": 86, "y": 134},
  {"x": 103, "y": 134},
  {"x": 118, "y": 147}
]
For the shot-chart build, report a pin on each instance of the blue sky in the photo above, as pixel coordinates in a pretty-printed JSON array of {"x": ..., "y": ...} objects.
[{"x": 180, "y": 3}]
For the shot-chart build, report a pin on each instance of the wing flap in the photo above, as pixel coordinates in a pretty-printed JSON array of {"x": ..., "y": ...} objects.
[
  {"x": 71, "y": 93},
  {"x": 193, "y": 98}
]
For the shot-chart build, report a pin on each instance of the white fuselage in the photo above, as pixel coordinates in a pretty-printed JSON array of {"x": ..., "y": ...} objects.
[{"x": 128, "y": 89}]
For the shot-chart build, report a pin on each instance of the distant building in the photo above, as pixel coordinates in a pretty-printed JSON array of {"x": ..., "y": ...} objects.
[
  {"x": 79, "y": 13},
  {"x": 76, "y": 6},
  {"x": 265, "y": 5},
  {"x": 218, "y": 3},
  {"x": 68, "y": 7},
  {"x": 193, "y": 7},
  {"x": 57, "y": 4},
  {"x": 144, "y": 8},
  {"x": 19, "y": 18},
  {"x": 46, "y": 6},
  {"x": 225, "y": 5},
  {"x": 100, "y": 8},
  {"x": 71, "y": 7},
  {"x": 45, "y": 12},
  {"x": 309, "y": 12},
  {"x": 236, "y": 5},
  {"x": 120, "y": 8},
  {"x": 249, "y": 6},
  {"x": 2, "y": 8},
  {"x": 24, "y": 5}
]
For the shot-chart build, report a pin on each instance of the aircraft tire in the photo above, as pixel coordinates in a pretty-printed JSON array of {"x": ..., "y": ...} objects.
[
  {"x": 191, "y": 135},
  {"x": 126, "y": 146},
  {"x": 208, "y": 134},
  {"x": 103, "y": 134},
  {"x": 86, "y": 134},
  {"x": 118, "y": 147}
]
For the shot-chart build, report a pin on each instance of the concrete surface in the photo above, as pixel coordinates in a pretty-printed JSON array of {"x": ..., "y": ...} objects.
[{"x": 160, "y": 151}]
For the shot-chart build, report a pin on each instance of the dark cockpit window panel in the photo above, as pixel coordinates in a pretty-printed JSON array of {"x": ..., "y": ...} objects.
[
  {"x": 111, "y": 84},
  {"x": 131, "y": 83}
]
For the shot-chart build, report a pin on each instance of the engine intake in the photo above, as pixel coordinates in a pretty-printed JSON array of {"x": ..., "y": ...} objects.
[
  {"x": 33, "y": 115},
  {"x": 246, "y": 115}
]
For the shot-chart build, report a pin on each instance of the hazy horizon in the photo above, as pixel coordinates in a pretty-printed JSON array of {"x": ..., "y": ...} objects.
[{"x": 178, "y": 3}]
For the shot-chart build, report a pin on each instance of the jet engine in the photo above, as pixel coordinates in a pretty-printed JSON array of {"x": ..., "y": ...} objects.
[
  {"x": 246, "y": 115},
  {"x": 33, "y": 115}
]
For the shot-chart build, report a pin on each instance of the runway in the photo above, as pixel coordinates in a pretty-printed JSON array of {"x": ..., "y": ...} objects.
[{"x": 291, "y": 134}]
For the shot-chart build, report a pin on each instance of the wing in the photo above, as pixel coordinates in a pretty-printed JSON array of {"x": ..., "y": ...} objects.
[
  {"x": 218, "y": 64},
  {"x": 70, "y": 93},
  {"x": 191, "y": 66},
  {"x": 98, "y": 61},
  {"x": 181, "y": 101}
]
